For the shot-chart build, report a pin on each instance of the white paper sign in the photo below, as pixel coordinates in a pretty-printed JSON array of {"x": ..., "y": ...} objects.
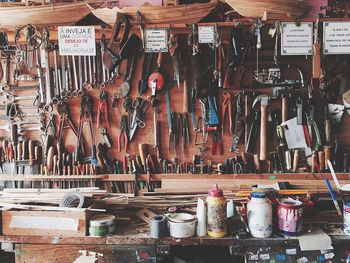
[
  {"x": 336, "y": 38},
  {"x": 296, "y": 40},
  {"x": 76, "y": 40},
  {"x": 156, "y": 40},
  {"x": 206, "y": 34}
]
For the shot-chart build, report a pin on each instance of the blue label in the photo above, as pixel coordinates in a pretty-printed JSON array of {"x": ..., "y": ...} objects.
[{"x": 281, "y": 257}]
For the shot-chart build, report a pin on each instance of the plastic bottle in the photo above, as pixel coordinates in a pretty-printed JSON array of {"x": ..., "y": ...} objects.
[{"x": 216, "y": 215}]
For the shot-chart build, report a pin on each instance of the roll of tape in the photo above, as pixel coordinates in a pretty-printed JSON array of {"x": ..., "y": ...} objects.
[{"x": 159, "y": 226}]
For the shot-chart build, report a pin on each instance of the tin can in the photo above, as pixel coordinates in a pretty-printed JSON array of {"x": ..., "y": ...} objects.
[
  {"x": 259, "y": 213},
  {"x": 347, "y": 218},
  {"x": 290, "y": 217},
  {"x": 102, "y": 225},
  {"x": 216, "y": 213}
]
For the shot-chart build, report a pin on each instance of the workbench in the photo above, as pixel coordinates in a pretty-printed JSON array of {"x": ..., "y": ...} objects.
[{"x": 118, "y": 247}]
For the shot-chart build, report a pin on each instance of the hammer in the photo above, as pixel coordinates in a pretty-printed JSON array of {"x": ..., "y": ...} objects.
[{"x": 264, "y": 101}]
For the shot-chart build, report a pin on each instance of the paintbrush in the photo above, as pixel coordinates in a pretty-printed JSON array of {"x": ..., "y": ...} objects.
[{"x": 333, "y": 197}]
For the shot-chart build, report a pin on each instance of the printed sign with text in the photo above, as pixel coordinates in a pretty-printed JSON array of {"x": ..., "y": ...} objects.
[
  {"x": 156, "y": 40},
  {"x": 336, "y": 38},
  {"x": 296, "y": 40},
  {"x": 76, "y": 40}
]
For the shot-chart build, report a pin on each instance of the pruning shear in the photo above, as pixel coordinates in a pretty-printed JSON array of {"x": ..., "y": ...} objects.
[{"x": 140, "y": 107}]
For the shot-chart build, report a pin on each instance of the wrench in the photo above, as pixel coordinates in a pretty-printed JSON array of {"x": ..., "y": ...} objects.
[
  {"x": 48, "y": 91},
  {"x": 70, "y": 80},
  {"x": 5, "y": 80},
  {"x": 13, "y": 98},
  {"x": 57, "y": 78},
  {"x": 76, "y": 85},
  {"x": 41, "y": 84},
  {"x": 94, "y": 70},
  {"x": 90, "y": 69},
  {"x": 80, "y": 69},
  {"x": 63, "y": 71}
]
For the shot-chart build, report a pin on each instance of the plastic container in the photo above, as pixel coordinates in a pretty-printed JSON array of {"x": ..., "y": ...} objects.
[
  {"x": 216, "y": 213},
  {"x": 182, "y": 225},
  {"x": 259, "y": 213},
  {"x": 102, "y": 225},
  {"x": 347, "y": 218}
]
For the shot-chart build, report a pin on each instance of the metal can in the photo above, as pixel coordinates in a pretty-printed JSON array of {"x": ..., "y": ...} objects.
[
  {"x": 259, "y": 213},
  {"x": 102, "y": 225},
  {"x": 290, "y": 217},
  {"x": 347, "y": 218}
]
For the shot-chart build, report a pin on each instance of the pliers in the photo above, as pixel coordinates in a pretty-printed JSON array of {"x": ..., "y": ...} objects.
[
  {"x": 123, "y": 133},
  {"x": 217, "y": 145},
  {"x": 226, "y": 107},
  {"x": 102, "y": 107}
]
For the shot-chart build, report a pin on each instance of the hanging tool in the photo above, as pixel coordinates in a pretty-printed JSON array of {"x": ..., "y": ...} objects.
[
  {"x": 226, "y": 109},
  {"x": 125, "y": 86},
  {"x": 174, "y": 54},
  {"x": 316, "y": 56},
  {"x": 239, "y": 125},
  {"x": 264, "y": 100},
  {"x": 111, "y": 55},
  {"x": 86, "y": 111},
  {"x": 148, "y": 61},
  {"x": 102, "y": 108},
  {"x": 123, "y": 133},
  {"x": 140, "y": 107},
  {"x": 106, "y": 139},
  {"x": 185, "y": 132},
  {"x": 217, "y": 146},
  {"x": 156, "y": 80}
]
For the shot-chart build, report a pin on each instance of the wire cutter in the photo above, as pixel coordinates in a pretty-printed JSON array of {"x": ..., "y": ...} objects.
[
  {"x": 226, "y": 108},
  {"x": 123, "y": 133},
  {"x": 102, "y": 107}
]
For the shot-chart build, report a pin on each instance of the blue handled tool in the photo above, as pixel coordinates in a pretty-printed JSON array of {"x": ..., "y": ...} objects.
[{"x": 333, "y": 197}]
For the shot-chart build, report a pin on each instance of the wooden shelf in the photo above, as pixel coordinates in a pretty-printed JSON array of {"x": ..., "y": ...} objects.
[{"x": 160, "y": 177}]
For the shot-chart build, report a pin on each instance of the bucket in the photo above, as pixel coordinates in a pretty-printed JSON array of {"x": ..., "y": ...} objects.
[
  {"x": 347, "y": 218},
  {"x": 182, "y": 225},
  {"x": 290, "y": 217}
]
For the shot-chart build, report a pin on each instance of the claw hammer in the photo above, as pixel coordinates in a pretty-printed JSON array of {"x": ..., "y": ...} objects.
[{"x": 264, "y": 101}]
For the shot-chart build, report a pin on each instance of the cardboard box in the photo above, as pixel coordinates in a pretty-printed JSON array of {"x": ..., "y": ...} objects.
[{"x": 46, "y": 223}]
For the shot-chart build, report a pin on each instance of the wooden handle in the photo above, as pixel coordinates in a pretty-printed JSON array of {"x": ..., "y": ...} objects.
[
  {"x": 321, "y": 161},
  {"x": 54, "y": 171},
  {"x": 296, "y": 158},
  {"x": 38, "y": 154},
  {"x": 10, "y": 152},
  {"x": 257, "y": 163},
  {"x": 49, "y": 159},
  {"x": 185, "y": 98},
  {"x": 313, "y": 162},
  {"x": 19, "y": 151},
  {"x": 316, "y": 61},
  {"x": 263, "y": 133},
  {"x": 5, "y": 145},
  {"x": 328, "y": 131},
  {"x": 31, "y": 152},
  {"x": 288, "y": 160},
  {"x": 246, "y": 114},
  {"x": 25, "y": 150},
  {"x": 14, "y": 134},
  {"x": 159, "y": 59},
  {"x": 142, "y": 152},
  {"x": 284, "y": 109},
  {"x": 327, "y": 155},
  {"x": 345, "y": 162}
]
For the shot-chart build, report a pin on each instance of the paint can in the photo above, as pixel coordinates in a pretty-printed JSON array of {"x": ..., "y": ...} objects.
[
  {"x": 159, "y": 227},
  {"x": 290, "y": 217},
  {"x": 259, "y": 214},
  {"x": 102, "y": 225},
  {"x": 347, "y": 218},
  {"x": 182, "y": 225}
]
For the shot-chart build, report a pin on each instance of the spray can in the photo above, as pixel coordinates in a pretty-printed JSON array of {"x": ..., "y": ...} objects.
[{"x": 216, "y": 216}]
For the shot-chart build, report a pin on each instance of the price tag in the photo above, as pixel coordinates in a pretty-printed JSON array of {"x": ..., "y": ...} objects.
[
  {"x": 336, "y": 38},
  {"x": 206, "y": 34},
  {"x": 76, "y": 40},
  {"x": 156, "y": 40},
  {"x": 291, "y": 251},
  {"x": 296, "y": 40}
]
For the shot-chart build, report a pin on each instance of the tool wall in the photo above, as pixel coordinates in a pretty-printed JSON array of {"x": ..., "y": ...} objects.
[{"x": 197, "y": 109}]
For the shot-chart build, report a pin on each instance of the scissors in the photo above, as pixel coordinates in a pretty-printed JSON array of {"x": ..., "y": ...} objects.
[{"x": 140, "y": 107}]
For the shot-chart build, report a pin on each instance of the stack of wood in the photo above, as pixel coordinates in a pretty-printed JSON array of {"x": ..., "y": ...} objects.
[{"x": 46, "y": 196}]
